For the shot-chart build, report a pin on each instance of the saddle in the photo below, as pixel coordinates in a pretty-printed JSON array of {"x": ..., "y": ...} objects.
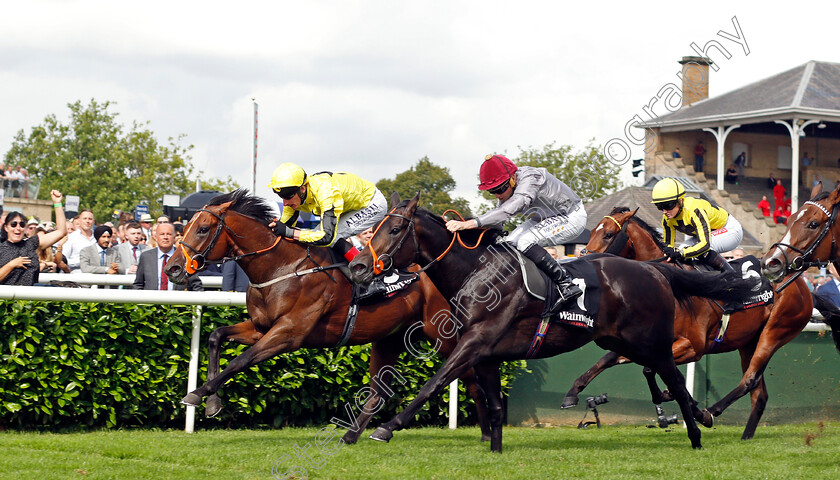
[
  {"x": 584, "y": 310},
  {"x": 749, "y": 267}
]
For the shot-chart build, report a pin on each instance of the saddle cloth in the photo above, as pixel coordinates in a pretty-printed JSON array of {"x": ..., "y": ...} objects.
[
  {"x": 748, "y": 267},
  {"x": 583, "y": 311}
]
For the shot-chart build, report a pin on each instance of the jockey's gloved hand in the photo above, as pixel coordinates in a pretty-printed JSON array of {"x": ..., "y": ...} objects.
[
  {"x": 672, "y": 253},
  {"x": 283, "y": 230}
]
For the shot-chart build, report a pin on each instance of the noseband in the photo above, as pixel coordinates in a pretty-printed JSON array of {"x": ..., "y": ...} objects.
[{"x": 799, "y": 263}]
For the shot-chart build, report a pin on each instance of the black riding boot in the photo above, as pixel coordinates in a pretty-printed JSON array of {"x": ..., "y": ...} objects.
[
  {"x": 556, "y": 272},
  {"x": 714, "y": 260},
  {"x": 347, "y": 251}
]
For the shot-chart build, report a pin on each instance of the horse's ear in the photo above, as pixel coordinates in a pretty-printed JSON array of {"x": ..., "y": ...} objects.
[
  {"x": 834, "y": 197},
  {"x": 223, "y": 207},
  {"x": 395, "y": 199},
  {"x": 818, "y": 188},
  {"x": 412, "y": 204},
  {"x": 634, "y": 212}
]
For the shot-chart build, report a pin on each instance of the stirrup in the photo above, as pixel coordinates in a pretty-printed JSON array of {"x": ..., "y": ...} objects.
[{"x": 567, "y": 293}]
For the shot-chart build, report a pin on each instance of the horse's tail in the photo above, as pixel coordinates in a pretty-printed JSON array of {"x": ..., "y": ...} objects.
[
  {"x": 726, "y": 287},
  {"x": 831, "y": 315}
]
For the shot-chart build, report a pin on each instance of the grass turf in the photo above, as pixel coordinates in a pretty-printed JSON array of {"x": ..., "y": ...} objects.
[{"x": 614, "y": 452}]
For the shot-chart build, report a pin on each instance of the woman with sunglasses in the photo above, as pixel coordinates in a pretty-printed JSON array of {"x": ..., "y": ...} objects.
[
  {"x": 554, "y": 215},
  {"x": 709, "y": 229},
  {"x": 346, "y": 203},
  {"x": 19, "y": 262}
]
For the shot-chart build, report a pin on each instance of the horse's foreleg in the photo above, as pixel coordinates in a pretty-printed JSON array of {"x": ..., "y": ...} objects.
[
  {"x": 490, "y": 379},
  {"x": 607, "y": 361},
  {"x": 479, "y": 397},
  {"x": 276, "y": 341},
  {"x": 471, "y": 349},
  {"x": 675, "y": 381},
  {"x": 383, "y": 356},
  {"x": 243, "y": 332},
  {"x": 657, "y": 396}
]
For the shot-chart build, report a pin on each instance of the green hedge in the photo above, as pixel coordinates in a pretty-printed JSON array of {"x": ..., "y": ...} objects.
[{"x": 83, "y": 365}]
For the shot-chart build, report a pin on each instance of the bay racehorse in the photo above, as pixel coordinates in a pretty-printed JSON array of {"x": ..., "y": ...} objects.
[
  {"x": 293, "y": 303},
  {"x": 756, "y": 333},
  {"x": 811, "y": 240},
  {"x": 498, "y": 318}
]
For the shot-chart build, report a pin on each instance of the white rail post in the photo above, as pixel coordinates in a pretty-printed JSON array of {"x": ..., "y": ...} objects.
[
  {"x": 453, "y": 404},
  {"x": 192, "y": 376}
]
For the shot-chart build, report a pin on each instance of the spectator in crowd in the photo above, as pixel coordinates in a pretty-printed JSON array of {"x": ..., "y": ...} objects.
[
  {"x": 553, "y": 252},
  {"x": 146, "y": 225},
  {"x": 779, "y": 194},
  {"x": 806, "y": 162},
  {"x": 120, "y": 234},
  {"x": 676, "y": 153},
  {"x": 152, "y": 240},
  {"x": 361, "y": 240},
  {"x": 234, "y": 279},
  {"x": 3, "y": 170},
  {"x": 817, "y": 181},
  {"x": 740, "y": 161},
  {"x": 150, "y": 268},
  {"x": 829, "y": 290},
  {"x": 779, "y": 215},
  {"x": 19, "y": 260},
  {"x": 179, "y": 232},
  {"x": 771, "y": 181},
  {"x": 731, "y": 175},
  {"x": 699, "y": 156},
  {"x": 764, "y": 206},
  {"x": 46, "y": 256},
  {"x": 79, "y": 239},
  {"x": 163, "y": 219},
  {"x": 101, "y": 257},
  {"x": 809, "y": 280},
  {"x": 131, "y": 248},
  {"x": 31, "y": 227}
]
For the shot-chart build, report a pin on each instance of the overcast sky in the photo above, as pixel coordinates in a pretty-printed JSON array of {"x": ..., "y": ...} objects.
[{"x": 372, "y": 86}]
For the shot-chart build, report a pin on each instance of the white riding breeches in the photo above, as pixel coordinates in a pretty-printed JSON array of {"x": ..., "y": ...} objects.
[{"x": 550, "y": 231}]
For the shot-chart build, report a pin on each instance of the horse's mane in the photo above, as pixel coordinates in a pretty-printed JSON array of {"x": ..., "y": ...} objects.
[
  {"x": 657, "y": 237},
  {"x": 246, "y": 204},
  {"x": 820, "y": 196}
]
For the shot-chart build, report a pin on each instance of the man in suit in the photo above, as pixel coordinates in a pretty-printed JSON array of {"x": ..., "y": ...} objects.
[
  {"x": 131, "y": 248},
  {"x": 150, "y": 267},
  {"x": 99, "y": 257}
]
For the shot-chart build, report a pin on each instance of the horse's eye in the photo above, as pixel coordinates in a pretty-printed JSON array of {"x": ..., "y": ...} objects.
[
  {"x": 395, "y": 230},
  {"x": 813, "y": 225},
  {"x": 202, "y": 230},
  {"x": 609, "y": 235}
]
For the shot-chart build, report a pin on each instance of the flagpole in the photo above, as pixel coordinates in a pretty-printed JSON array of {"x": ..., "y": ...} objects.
[{"x": 254, "y": 160}]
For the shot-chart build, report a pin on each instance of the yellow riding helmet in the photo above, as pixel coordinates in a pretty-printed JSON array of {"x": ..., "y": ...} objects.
[
  {"x": 287, "y": 175},
  {"x": 666, "y": 190}
]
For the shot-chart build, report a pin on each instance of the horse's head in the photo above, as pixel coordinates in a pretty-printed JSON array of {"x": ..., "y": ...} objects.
[
  {"x": 611, "y": 233},
  {"x": 810, "y": 238},
  {"x": 210, "y": 235},
  {"x": 393, "y": 244}
]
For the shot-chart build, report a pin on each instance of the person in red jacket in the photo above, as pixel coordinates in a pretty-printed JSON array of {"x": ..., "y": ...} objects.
[
  {"x": 764, "y": 206},
  {"x": 779, "y": 194}
]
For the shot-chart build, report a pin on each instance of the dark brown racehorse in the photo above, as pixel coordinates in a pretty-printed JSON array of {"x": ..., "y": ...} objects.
[
  {"x": 756, "y": 333},
  {"x": 811, "y": 240},
  {"x": 295, "y": 309},
  {"x": 498, "y": 318}
]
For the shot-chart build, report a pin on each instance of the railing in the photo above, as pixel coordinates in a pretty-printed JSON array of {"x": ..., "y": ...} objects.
[
  {"x": 21, "y": 188},
  {"x": 152, "y": 297},
  {"x": 95, "y": 279}
]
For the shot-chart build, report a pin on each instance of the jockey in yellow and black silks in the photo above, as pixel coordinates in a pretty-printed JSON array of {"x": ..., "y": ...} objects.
[
  {"x": 709, "y": 229},
  {"x": 346, "y": 203}
]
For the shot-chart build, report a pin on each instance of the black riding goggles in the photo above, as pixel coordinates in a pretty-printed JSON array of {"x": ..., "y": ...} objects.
[
  {"x": 500, "y": 189},
  {"x": 667, "y": 205},
  {"x": 286, "y": 193}
]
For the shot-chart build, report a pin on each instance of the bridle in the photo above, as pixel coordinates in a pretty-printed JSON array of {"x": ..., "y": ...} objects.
[
  {"x": 799, "y": 264},
  {"x": 199, "y": 261},
  {"x": 618, "y": 242},
  {"x": 385, "y": 262}
]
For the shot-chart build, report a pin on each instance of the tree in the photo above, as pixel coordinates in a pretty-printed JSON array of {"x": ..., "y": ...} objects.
[
  {"x": 587, "y": 171},
  {"x": 109, "y": 168},
  {"x": 434, "y": 182}
]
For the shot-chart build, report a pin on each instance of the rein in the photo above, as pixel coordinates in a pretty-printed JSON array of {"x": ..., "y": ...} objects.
[
  {"x": 379, "y": 261},
  {"x": 798, "y": 263}
]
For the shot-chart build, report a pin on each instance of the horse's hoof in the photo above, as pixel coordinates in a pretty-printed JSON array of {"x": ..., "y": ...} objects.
[
  {"x": 666, "y": 397},
  {"x": 707, "y": 420},
  {"x": 382, "y": 434},
  {"x": 350, "y": 438},
  {"x": 569, "y": 402},
  {"x": 213, "y": 406},
  {"x": 192, "y": 400}
]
